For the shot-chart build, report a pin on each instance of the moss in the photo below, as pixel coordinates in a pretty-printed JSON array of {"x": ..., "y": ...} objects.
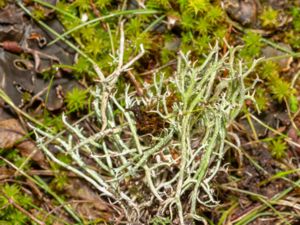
[
  {"x": 293, "y": 38},
  {"x": 293, "y": 103},
  {"x": 76, "y": 99},
  {"x": 269, "y": 18},
  {"x": 14, "y": 156},
  {"x": 295, "y": 12},
  {"x": 198, "y": 6},
  {"x": 39, "y": 13},
  {"x": 102, "y": 4},
  {"x": 281, "y": 89},
  {"x": 252, "y": 45},
  {"x": 261, "y": 98},
  {"x": 10, "y": 214},
  {"x": 3, "y": 3},
  {"x": 53, "y": 122},
  {"x": 269, "y": 70},
  {"x": 278, "y": 147},
  {"x": 159, "y": 4}
]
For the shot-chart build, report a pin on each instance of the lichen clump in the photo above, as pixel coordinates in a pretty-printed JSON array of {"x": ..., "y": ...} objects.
[{"x": 181, "y": 159}]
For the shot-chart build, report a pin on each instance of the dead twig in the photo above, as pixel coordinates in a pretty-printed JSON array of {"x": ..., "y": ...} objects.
[{"x": 22, "y": 210}]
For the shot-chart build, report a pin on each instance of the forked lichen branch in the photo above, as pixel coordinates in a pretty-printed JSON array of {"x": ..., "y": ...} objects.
[{"x": 172, "y": 168}]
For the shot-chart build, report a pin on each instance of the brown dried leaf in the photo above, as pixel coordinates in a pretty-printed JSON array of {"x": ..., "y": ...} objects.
[
  {"x": 90, "y": 204},
  {"x": 292, "y": 133},
  {"x": 12, "y": 46},
  {"x": 13, "y": 135}
]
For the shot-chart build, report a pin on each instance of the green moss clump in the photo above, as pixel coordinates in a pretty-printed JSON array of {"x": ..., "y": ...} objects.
[
  {"x": 252, "y": 45},
  {"x": 278, "y": 147},
  {"x": 269, "y": 18},
  {"x": 8, "y": 213},
  {"x": 3, "y": 3}
]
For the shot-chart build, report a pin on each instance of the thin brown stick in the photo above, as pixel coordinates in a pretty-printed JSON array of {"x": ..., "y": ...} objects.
[
  {"x": 22, "y": 210},
  {"x": 137, "y": 85}
]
